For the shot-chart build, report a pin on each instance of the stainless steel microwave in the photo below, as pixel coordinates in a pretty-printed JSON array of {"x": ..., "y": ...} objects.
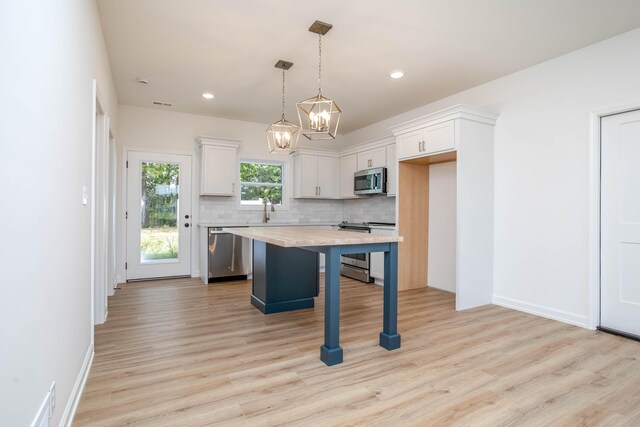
[{"x": 370, "y": 181}]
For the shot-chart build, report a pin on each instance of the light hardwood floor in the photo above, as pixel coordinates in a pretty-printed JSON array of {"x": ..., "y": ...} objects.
[{"x": 179, "y": 353}]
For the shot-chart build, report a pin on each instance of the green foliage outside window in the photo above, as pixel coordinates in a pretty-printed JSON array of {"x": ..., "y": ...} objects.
[
  {"x": 159, "y": 194},
  {"x": 260, "y": 180}
]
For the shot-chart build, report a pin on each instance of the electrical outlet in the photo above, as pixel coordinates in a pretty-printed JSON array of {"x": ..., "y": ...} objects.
[{"x": 52, "y": 398}]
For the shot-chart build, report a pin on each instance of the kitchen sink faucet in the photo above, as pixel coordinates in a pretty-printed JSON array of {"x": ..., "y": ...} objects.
[{"x": 265, "y": 216}]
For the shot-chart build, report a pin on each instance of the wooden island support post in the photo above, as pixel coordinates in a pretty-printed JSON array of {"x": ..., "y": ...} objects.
[{"x": 334, "y": 243}]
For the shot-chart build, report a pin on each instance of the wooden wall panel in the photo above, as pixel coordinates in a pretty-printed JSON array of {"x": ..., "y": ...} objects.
[{"x": 413, "y": 225}]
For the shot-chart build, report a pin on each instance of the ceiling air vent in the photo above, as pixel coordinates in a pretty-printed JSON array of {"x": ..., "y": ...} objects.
[{"x": 162, "y": 104}]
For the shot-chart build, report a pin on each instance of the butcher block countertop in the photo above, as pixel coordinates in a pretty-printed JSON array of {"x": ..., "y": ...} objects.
[{"x": 292, "y": 237}]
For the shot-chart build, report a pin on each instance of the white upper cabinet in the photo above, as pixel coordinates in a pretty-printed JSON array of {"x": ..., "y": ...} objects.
[
  {"x": 218, "y": 164},
  {"x": 348, "y": 166},
  {"x": 327, "y": 177},
  {"x": 392, "y": 170},
  {"x": 432, "y": 139},
  {"x": 375, "y": 158},
  {"x": 315, "y": 176}
]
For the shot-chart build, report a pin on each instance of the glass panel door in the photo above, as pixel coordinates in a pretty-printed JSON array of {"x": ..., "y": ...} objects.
[{"x": 158, "y": 215}]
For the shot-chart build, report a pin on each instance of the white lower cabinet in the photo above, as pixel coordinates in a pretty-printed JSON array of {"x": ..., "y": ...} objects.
[{"x": 377, "y": 258}]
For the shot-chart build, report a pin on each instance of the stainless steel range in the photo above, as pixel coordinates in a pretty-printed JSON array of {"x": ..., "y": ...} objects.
[{"x": 358, "y": 266}]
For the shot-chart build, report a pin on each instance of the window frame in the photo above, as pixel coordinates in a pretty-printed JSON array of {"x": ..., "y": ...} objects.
[{"x": 258, "y": 207}]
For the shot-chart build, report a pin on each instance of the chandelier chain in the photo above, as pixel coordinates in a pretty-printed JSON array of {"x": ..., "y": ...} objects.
[
  {"x": 283, "y": 94},
  {"x": 320, "y": 64}
]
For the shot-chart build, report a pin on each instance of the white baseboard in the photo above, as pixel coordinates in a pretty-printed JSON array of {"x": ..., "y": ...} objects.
[
  {"x": 539, "y": 310},
  {"x": 78, "y": 387}
]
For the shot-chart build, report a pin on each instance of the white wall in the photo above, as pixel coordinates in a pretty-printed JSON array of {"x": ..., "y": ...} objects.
[
  {"x": 51, "y": 52},
  {"x": 541, "y": 169},
  {"x": 170, "y": 131},
  {"x": 442, "y": 227}
]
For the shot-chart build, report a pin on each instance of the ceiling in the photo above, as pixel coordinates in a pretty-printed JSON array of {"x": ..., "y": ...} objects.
[{"x": 229, "y": 48}]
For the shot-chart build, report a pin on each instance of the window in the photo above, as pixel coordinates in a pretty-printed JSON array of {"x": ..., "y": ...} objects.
[{"x": 259, "y": 180}]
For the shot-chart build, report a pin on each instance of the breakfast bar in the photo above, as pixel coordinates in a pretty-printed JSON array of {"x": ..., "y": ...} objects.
[{"x": 332, "y": 243}]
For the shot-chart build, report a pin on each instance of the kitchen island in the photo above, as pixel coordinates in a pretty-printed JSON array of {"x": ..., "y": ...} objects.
[{"x": 332, "y": 243}]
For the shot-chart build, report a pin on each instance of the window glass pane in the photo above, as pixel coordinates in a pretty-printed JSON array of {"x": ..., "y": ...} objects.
[
  {"x": 260, "y": 172},
  {"x": 259, "y": 181},
  {"x": 159, "y": 211},
  {"x": 251, "y": 194}
]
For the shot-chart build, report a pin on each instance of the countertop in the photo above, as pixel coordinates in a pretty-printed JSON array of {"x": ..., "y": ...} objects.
[
  {"x": 269, "y": 224},
  {"x": 284, "y": 224},
  {"x": 291, "y": 237}
]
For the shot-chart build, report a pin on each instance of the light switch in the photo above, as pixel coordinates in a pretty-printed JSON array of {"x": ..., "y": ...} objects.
[{"x": 85, "y": 195}]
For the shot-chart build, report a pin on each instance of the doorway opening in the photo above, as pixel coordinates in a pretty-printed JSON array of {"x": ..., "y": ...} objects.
[
  {"x": 102, "y": 207},
  {"x": 428, "y": 222}
]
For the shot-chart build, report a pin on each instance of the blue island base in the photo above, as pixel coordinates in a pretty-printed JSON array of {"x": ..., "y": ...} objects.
[
  {"x": 389, "y": 341},
  {"x": 278, "y": 307},
  {"x": 331, "y": 356}
]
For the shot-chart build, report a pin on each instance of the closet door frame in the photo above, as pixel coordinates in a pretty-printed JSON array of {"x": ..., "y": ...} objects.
[{"x": 594, "y": 219}]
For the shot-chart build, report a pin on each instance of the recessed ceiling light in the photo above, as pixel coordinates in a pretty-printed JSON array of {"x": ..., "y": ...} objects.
[
  {"x": 207, "y": 95},
  {"x": 397, "y": 74}
]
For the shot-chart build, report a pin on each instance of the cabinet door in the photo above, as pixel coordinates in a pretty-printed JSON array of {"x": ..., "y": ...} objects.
[
  {"x": 348, "y": 166},
  {"x": 392, "y": 170},
  {"x": 376, "y": 158},
  {"x": 308, "y": 175},
  {"x": 218, "y": 171},
  {"x": 440, "y": 137},
  {"x": 326, "y": 172},
  {"x": 409, "y": 145}
]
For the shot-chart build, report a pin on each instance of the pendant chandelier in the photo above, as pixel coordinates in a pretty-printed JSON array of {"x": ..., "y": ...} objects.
[
  {"x": 283, "y": 135},
  {"x": 319, "y": 116}
]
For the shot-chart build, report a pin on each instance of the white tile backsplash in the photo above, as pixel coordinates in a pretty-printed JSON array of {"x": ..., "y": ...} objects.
[
  {"x": 370, "y": 209},
  {"x": 380, "y": 209}
]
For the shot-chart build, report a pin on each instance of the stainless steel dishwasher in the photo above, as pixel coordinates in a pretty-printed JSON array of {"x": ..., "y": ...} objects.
[{"x": 229, "y": 256}]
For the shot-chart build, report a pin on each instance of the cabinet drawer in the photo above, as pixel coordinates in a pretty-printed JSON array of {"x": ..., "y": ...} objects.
[{"x": 440, "y": 137}]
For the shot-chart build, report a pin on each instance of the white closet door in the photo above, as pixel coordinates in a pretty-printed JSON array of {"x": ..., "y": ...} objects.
[{"x": 620, "y": 223}]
